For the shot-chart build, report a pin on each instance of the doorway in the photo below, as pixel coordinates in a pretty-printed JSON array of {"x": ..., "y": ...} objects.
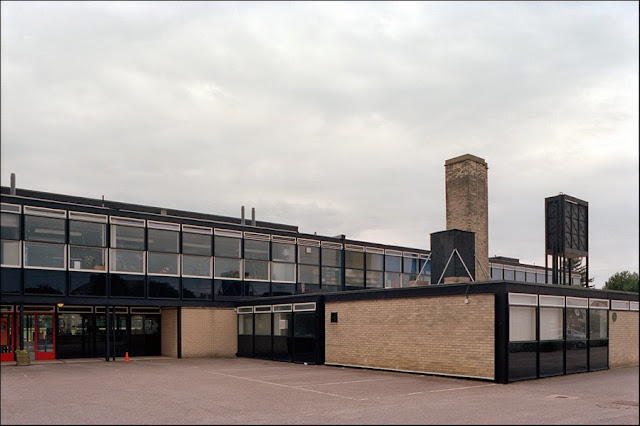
[{"x": 39, "y": 338}]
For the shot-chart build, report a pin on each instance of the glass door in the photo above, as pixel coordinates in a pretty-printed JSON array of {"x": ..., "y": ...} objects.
[
  {"x": 39, "y": 339},
  {"x": 6, "y": 337}
]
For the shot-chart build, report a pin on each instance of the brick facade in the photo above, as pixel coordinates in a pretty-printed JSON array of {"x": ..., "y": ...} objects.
[
  {"x": 169, "y": 331},
  {"x": 209, "y": 332},
  {"x": 623, "y": 338},
  {"x": 206, "y": 332},
  {"x": 467, "y": 203},
  {"x": 431, "y": 335}
]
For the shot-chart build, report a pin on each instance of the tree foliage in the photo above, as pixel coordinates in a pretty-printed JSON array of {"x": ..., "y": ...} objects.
[
  {"x": 624, "y": 281},
  {"x": 575, "y": 265}
]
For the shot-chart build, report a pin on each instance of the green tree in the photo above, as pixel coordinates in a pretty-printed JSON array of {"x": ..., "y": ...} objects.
[
  {"x": 575, "y": 265},
  {"x": 625, "y": 281}
]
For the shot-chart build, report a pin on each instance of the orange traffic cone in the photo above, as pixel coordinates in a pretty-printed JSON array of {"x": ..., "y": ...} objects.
[{"x": 126, "y": 357}]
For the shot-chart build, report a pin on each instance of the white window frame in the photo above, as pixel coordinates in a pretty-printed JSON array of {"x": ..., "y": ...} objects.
[
  {"x": 268, "y": 262},
  {"x": 287, "y": 307},
  {"x": 620, "y": 305},
  {"x": 633, "y": 306},
  {"x": 157, "y": 274},
  {"x": 126, "y": 221},
  {"x": 88, "y": 217},
  {"x": 551, "y": 301},
  {"x": 577, "y": 302},
  {"x": 330, "y": 245},
  {"x": 526, "y": 299},
  {"x": 43, "y": 211},
  {"x": 262, "y": 309},
  {"x": 240, "y": 272},
  {"x": 112, "y": 266},
  {"x": 593, "y": 303},
  {"x": 20, "y": 254},
  {"x": 193, "y": 229},
  {"x": 10, "y": 208},
  {"x": 304, "y": 307},
  {"x": 243, "y": 310},
  {"x": 309, "y": 243},
  {"x": 182, "y": 256},
  {"x": 167, "y": 226},
  {"x": 24, "y": 256},
  {"x": 283, "y": 239},
  {"x": 256, "y": 236},
  {"x": 105, "y": 259}
]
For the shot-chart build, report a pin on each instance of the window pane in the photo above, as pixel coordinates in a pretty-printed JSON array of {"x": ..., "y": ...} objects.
[
  {"x": 375, "y": 262},
  {"x": 263, "y": 325},
  {"x": 283, "y": 252},
  {"x": 87, "y": 258},
  {"x": 44, "y": 255},
  {"x": 540, "y": 278},
  {"x": 509, "y": 274},
  {"x": 522, "y": 323},
  {"x": 496, "y": 273},
  {"x": 331, "y": 257},
  {"x": 10, "y": 253},
  {"x": 162, "y": 240},
  {"x": 309, "y": 274},
  {"x": 425, "y": 270},
  {"x": 127, "y": 237},
  {"x": 227, "y": 247},
  {"x": 256, "y": 250},
  {"x": 576, "y": 324},
  {"x": 375, "y": 279},
  {"x": 162, "y": 263},
  {"x": 45, "y": 229},
  {"x": 87, "y": 233},
  {"x": 127, "y": 261},
  {"x": 354, "y": 259},
  {"x": 164, "y": 287},
  {"x": 551, "y": 324},
  {"x": 10, "y": 226},
  {"x": 392, "y": 280},
  {"x": 198, "y": 266},
  {"x": 354, "y": 277},
  {"x": 256, "y": 270},
  {"x": 284, "y": 272},
  {"x": 410, "y": 265},
  {"x": 196, "y": 244},
  {"x": 194, "y": 288},
  {"x": 520, "y": 276},
  {"x": 309, "y": 255},
  {"x": 393, "y": 263},
  {"x": 245, "y": 325},
  {"x": 407, "y": 278},
  {"x": 227, "y": 268},
  {"x": 598, "y": 324},
  {"x": 331, "y": 276}
]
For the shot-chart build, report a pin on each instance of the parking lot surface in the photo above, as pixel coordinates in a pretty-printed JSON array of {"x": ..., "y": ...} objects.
[{"x": 248, "y": 391}]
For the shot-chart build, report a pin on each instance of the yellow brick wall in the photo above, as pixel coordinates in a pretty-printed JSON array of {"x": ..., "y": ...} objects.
[
  {"x": 209, "y": 332},
  {"x": 431, "y": 335},
  {"x": 623, "y": 338},
  {"x": 169, "y": 332}
]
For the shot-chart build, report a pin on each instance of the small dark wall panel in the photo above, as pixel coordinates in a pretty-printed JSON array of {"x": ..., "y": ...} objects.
[
  {"x": 598, "y": 355},
  {"x": 245, "y": 345},
  {"x": 576, "y": 356},
  {"x": 551, "y": 358},
  {"x": 522, "y": 360}
]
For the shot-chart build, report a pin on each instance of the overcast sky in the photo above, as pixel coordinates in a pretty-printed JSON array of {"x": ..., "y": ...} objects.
[{"x": 336, "y": 117}]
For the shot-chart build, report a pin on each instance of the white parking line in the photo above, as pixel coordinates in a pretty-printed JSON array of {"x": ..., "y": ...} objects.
[
  {"x": 352, "y": 381},
  {"x": 464, "y": 387}
]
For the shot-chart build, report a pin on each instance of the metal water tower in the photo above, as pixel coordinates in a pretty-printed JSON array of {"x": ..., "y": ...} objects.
[{"x": 566, "y": 235}]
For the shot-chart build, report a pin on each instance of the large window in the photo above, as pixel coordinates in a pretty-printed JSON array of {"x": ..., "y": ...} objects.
[
  {"x": 283, "y": 267},
  {"x": 162, "y": 244},
  {"x": 309, "y": 262},
  {"x": 127, "y": 253},
  {"x": 374, "y": 259},
  {"x": 196, "y": 251},
  {"x": 87, "y": 242},
  {"x": 227, "y": 254},
  {"x": 45, "y": 237},
  {"x": 393, "y": 268},
  {"x": 410, "y": 268},
  {"x": 10, "y": 226},
  {"x": 256, "y": 257},
  {"x": 354, "y": 266},
  {"x": 10, "y": 253},
  {"x": 332, "y": 266}
]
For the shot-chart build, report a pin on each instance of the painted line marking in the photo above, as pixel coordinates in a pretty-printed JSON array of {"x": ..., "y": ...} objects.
[
  {"x": 344, "y": 383},
  {"x": 284, "y": 386},
  {"x": 464, "y": 387}
]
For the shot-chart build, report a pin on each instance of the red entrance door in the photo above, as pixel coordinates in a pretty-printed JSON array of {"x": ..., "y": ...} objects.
[
  {"x": 7, "y": 337},
  {"x": 39, "y": 338}
]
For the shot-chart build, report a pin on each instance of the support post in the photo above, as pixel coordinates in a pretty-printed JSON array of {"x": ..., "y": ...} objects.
[
  {"x": 179, "y": 333},
  {"x": 107, "y": 333},
  {"x": 21, "y": 328}
]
